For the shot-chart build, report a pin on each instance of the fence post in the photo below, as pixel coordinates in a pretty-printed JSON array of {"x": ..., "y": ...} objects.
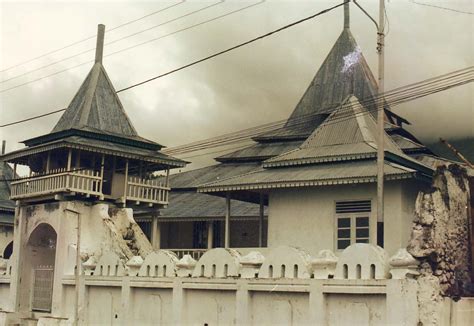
[{"x": 242, "y": 302}]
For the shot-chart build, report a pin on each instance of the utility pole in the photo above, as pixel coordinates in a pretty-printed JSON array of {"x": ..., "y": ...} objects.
[{"x": 380, "y": 113}]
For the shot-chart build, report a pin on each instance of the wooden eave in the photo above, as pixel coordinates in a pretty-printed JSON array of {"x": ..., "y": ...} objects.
[{"x": 21, "y": 156}]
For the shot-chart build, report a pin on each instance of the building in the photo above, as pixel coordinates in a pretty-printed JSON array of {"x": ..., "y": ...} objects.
[
  {"x": 80, "y": 257},
  {"x": 343, "y": 73},
  {"x": 85, "y": 175},
  {"x": 325, "y": 190}
]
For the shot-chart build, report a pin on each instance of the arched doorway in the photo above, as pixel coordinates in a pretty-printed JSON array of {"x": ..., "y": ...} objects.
[
  {"x": 38, "y": 269},
  {"x": 8, "y": 251}
]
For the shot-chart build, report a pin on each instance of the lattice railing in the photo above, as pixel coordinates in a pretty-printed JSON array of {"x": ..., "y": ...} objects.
[{"x": 82, "y": 181}]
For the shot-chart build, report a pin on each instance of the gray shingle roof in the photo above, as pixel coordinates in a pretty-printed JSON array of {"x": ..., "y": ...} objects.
[
  {"x": 194, "y": 178},
  {"x": 330, "y": 87},
  {"x": 349, "y": 133},
  {"x": 96, "y": 106},
  {"x": 362, "y": 171},
  {"x": 260, "y": 151},
  {"x": 196, "y": 206}
]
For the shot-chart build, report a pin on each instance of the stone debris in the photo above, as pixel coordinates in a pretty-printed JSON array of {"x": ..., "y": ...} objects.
[{"x": 440, "y": 234}]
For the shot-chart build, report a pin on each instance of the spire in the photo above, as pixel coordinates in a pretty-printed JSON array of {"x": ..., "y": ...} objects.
[
  {"x": 96, "y": 106},
  {"x": 99, "y": 49},
  {"x": 346, "y": 15}
]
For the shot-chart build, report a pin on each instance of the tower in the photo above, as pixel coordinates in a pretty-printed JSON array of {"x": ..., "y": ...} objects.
[{"x": 85, "y": 178}]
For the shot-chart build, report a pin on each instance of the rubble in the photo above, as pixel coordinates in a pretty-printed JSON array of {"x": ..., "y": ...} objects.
[{"x": 440, "y": 235}]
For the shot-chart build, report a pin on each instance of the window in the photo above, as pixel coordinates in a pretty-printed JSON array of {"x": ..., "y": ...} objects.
[{"x": 352, "y": 220}]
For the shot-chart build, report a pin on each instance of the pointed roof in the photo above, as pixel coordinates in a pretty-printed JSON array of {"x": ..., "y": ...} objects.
[
  {"x": 96, "y": 107},
  {"x": 342, "y": 150},
  {"x": 349, "y": 133},
  {"x": 344, "y": 72}
]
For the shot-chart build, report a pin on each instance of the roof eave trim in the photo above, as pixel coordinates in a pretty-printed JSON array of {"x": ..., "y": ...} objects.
[
  {"x": 323, "y": 159},
  {"x": 293, "y": 184}
]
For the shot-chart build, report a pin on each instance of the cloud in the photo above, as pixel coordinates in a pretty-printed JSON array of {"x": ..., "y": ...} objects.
[{"x": 253, "y": 85}]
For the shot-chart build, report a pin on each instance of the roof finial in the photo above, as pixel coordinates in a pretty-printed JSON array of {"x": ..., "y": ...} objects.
[
  {"x": 346, "y": 15},
  {"x": 99, "y": 49}
]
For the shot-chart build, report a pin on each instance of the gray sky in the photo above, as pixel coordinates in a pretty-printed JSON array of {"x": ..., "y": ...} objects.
[{"x": 250, "y": 86}]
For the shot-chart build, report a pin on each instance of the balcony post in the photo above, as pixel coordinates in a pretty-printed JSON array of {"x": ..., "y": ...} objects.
[
  {"x": 260, "y": 222},
  {"x": 125, "y": 183},
  {"x": 102, "y": 163},
  {"x": 14, "y": 170},
  {"x": 68, "y": 167},
  {"x": 48, "y": 162},
  {"x": 155, "y": 233},
  {"x": 227, "y": 221},
  {"x": 210, "y": 234},
  {"x": 167, "y": 177}
]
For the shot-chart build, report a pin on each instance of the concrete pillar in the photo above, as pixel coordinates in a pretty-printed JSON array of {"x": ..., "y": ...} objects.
[
  {"x": 401, "y": 302},
  {"x": 19, "y": 239},
  {"x": 125, "y": 315},
  {"x": 227, "y": 222},
  {"x": 317, "y": 306},
  {"x": 260, "y": 222},
  {"x": 178, "y": 297},
  {"x": 242, "y": 300},
  {"x": 155, "y": 233},
  {"x": 210, "y": 234}
]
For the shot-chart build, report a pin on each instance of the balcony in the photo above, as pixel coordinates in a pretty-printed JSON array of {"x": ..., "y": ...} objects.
[
  {"x": 89, "y": 183},
  {"x": 147, "y": 191}
]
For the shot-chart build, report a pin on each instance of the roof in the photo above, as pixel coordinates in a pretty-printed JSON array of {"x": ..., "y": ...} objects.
[
  {"x": 344, "y": 72},
  {"x": 363, "y": 171},
  {"x": 95, "y": 145},
  {"x": 349, "y": 133},
  {"x": 195, "y": 206},
  {"x": 194, "y": 178},
  {"x": 342, "y": 150},
  {"x": 97, "y": 106},
  {"x": 260, "y": 151}
]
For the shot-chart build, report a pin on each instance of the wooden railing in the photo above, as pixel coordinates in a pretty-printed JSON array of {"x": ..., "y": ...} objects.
[
  {"x": 195, "y": 253},
  {"x": 148, "y": 191},
  {"x": 56, "y": 181}
]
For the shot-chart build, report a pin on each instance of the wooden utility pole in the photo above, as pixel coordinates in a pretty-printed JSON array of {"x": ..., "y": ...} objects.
[{"x": 380, "y": 113}]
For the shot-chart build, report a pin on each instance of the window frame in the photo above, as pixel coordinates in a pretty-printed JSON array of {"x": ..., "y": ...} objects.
[{"x": 353, "y": 224}]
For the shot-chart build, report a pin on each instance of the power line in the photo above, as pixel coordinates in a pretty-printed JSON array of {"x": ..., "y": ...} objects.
[
  {"x": 114, "y": 41},
  {"x": 137, "y": 45},
  {"x": 393, "y": 97},
  {"x": 192, "y": 63},
  {"x": 234, "y": 47},
  {"x": 444, "y": 8},
  {"x": 93, "y": 36},
  {"x": 348, "y": 110}
]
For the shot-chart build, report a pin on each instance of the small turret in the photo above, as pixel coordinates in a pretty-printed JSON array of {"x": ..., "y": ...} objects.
[{"x": 93, "y": 152}]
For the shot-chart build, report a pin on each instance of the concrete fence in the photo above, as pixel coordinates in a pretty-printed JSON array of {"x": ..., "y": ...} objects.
[{"x": 285, "y": 287}]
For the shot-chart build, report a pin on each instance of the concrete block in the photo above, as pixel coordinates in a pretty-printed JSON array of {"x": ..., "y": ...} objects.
[
  {"x": 403, "y": 265},
  {"x": 324, "y": 264},
  {"x": 362, "y": 261},
  {"x": 133, "y": 265},
  {"x": 160, "y": 263},
  {"x": 185, "y": 266},
  {"x": 110, "y": 265},
  {"x": 286, "y": 262},
  {"x": 218, "y": 262},
  {"x": 250, "y": 264}
]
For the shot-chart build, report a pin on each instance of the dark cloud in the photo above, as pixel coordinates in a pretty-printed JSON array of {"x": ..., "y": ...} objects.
[{"x": 250, "y": 86}]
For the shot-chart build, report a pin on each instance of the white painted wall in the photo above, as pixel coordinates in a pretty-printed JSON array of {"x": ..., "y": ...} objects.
[{"x": 305, "y": 217}]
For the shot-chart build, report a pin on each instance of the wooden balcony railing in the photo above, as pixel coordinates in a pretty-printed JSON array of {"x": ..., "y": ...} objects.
[
  {"x": 57, "y": 181},
  {"x": 148, "y": 191}
]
